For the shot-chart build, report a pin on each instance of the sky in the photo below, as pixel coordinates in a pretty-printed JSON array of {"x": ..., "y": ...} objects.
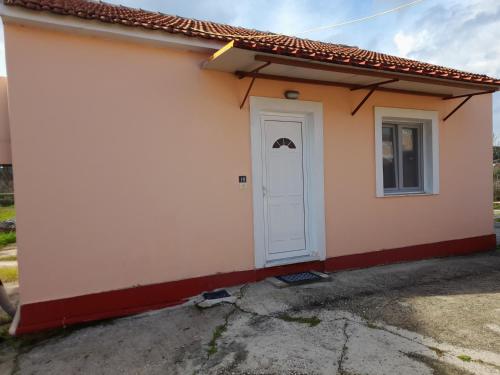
[{"x": 462, "y": 34}]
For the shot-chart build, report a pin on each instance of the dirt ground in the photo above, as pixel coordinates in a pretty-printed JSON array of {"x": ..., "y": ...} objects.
[{"x": 440, "y": 316}]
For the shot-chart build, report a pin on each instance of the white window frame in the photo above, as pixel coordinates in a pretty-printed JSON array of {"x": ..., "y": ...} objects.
[{"x": 430, "y": 148}]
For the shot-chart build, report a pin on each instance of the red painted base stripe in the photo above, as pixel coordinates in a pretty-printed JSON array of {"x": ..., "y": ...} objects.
[
  {"x": 409, "y": 253},
  {"x": 58, "y": 313}
]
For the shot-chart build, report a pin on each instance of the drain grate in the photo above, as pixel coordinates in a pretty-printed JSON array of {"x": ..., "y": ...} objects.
[
  {"x": 300, "y": 278},
  {"x": 216, "y": 295}
]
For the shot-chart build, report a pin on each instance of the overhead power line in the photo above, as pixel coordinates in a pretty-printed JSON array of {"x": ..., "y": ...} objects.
[{"x": 357, "y": 20}]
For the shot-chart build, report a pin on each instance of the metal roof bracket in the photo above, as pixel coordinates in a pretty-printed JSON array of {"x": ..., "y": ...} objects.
[
  {"x": 372, "y": 88},
  {"x": 240, "y": 76},
  {"x": 467, "y": 98}
]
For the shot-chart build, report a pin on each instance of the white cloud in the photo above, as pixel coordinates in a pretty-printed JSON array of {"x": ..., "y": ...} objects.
[
  {"x": 406, "y": 43},
  {"x": 460, "y": 35}
]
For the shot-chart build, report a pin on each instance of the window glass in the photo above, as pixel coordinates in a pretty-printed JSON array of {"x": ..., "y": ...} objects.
[
  {"x": 410, "y": 157},
  {"x": 401, "y": 154},
  {"x": 283, "y": 142},
  {"x": 388, "y": 150}
]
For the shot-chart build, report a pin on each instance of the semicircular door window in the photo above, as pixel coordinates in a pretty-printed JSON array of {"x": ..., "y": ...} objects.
[{"x": 284, "y": 142}]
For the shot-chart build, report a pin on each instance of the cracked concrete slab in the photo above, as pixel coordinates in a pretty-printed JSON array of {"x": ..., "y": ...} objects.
[
  {"x": 260, "y": 340},
  {"x": 170, "y": 341},
  {"x": 431, "y": 317},
  {"x": 378, "y": 352}
]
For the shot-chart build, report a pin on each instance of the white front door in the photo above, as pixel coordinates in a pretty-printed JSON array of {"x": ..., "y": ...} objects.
[
  {"x": 287, "y": 181},
  {"x": 284, "y": 188}
]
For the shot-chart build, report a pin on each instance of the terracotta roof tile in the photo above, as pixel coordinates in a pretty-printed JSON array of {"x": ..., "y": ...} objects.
[{"x": 248, "y": 38}]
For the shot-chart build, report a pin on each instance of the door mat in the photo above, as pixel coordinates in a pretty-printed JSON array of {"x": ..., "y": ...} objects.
[{"x": 298, "y": 278}]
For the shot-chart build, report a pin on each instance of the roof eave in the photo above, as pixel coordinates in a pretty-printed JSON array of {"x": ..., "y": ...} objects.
[
  {"x": 22, "y": 16},
  {"x": 375, "y": 72}
]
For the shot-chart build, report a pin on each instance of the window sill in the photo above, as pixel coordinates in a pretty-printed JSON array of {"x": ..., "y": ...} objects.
[{"x": 399, "y": 194}]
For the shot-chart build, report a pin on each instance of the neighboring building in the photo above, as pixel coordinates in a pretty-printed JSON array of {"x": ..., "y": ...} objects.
[
  {"x": 5, "y": 153},
  {"x": 140, "y": 181},
  {"x": 6, "y": 182}
]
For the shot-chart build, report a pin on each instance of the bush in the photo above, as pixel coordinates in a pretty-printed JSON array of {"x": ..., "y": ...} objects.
[
  {"x": 7, "y": 238},
  {"x": 6, "y": 201},
  {"x": 7, "y": 213}
]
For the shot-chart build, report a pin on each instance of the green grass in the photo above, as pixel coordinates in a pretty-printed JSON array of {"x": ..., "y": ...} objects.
[
  {"x": 7, "y": 238},
  {"x": 8, "y": 258},
  {"x": 212, "y": 345},
  {"x": 439, "y": 352},
  {"x": 7, "y": 213},
  {"x": 312, "y": 321},
  {"x": 496, "y": 205},
  {"x": 464, "y": 357},
  {"x": 8, "y": 274}
]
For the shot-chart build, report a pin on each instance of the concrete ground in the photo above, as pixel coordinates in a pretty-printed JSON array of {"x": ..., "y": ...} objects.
[
  {"x": 440, "y": 316},
  {"x": 7, "y": 251}
]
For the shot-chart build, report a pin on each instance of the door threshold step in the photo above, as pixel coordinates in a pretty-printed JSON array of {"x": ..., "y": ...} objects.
[{"x": 299, "y": 278}]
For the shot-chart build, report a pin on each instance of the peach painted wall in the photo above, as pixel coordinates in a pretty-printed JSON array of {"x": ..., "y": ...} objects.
[
  {"x": 127, "y": 164},
  {"x": 5, "y": 152}
]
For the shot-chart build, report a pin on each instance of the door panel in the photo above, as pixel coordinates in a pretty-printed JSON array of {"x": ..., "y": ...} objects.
[{"x": 283, "y": 189}]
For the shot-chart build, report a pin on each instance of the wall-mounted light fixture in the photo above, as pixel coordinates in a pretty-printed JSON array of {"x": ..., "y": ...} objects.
[{"x": 292, "y": 94}]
